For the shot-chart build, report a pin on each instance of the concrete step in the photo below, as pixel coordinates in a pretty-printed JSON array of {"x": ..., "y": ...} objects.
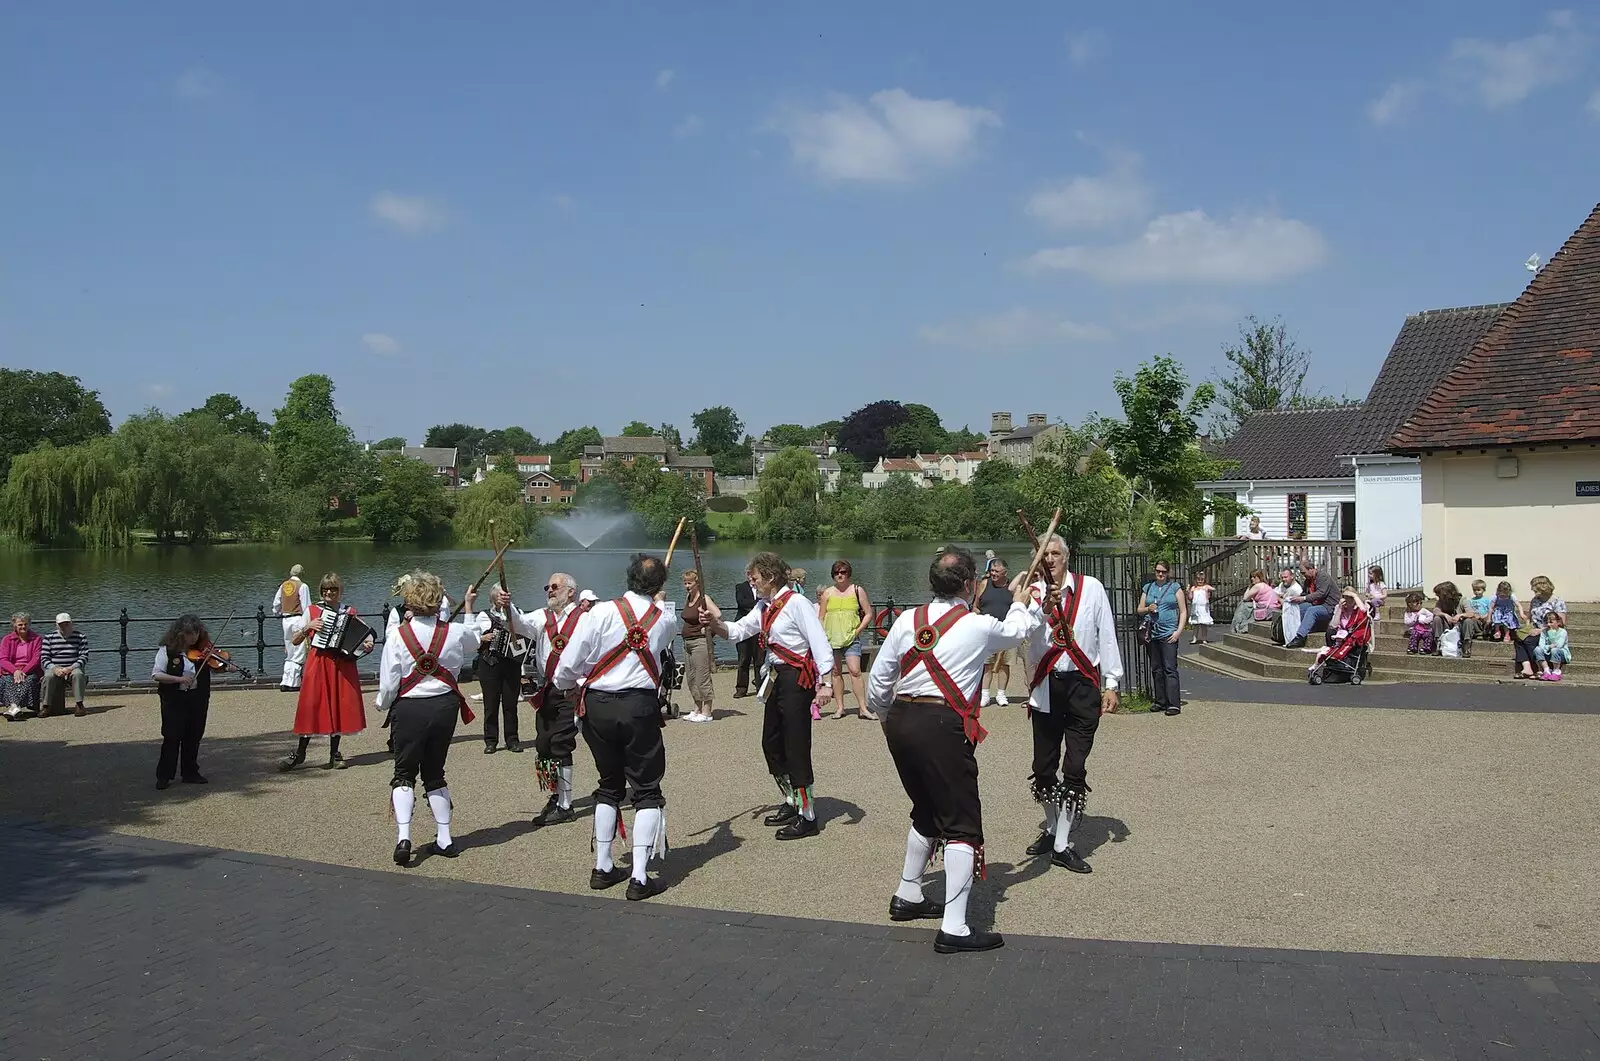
[{"x": 1253, "y": 654}]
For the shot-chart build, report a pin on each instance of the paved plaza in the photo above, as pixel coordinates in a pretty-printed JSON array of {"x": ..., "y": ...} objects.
[{"x": 1307, "y": 881}]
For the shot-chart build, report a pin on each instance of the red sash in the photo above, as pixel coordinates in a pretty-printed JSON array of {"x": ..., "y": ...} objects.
[
  {"x": 558, "y": 638},
  {"x": 921, "y": 652},
  {"x": 636, "y": 639},
  {"x": 806, "y": 665},
  {"x": 425, "y": 664},
  {"x": 1062, "y": 639}
]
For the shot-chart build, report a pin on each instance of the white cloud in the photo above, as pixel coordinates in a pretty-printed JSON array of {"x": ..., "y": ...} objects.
[
  {"x": 1121, "y": 194},
  {"x": 1014, "y": 328},
  {"x": 1593, "y": 106},
  {"x": 380, "y": 343},
  {"x": 198, "y": 85},
  {"x": 1193, "y": 248},
  {"x": 1082, "y": 47},
  {"x": 665, "y": 78},
  {"x": 692, "y": 125},
  {"x": 894, "y": 136},
  {"x": 408, "y": 213},
  {"x": 1396, "y": 102}
]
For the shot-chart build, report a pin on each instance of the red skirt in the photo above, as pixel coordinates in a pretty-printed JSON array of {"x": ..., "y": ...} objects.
[{"x": 330, "y": 696}]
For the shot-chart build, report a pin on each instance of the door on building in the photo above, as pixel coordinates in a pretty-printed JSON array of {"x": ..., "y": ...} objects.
[{"x": 1347, "y": 521}]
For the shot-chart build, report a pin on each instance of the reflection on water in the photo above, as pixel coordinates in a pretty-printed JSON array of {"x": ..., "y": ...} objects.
[{"x": 234, "y": 581}]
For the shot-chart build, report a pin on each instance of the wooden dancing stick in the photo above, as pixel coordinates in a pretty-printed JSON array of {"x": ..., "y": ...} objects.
[
  {"x": 501, "y": 565},
  {"x": 675, "y": 535},
  {"x": 1040, "y": 544},
  {"x": 486, "y": 573}
]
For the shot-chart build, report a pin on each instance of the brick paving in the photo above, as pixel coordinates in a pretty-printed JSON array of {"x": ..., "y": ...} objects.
[{"x": 125, "y": 947}]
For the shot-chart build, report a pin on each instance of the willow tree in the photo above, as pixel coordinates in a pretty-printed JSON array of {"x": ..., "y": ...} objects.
[
  {"x": 52, "y": 494},
  {"x": 497, "y": 498}
]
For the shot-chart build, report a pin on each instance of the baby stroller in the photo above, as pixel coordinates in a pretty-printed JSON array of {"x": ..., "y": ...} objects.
[{"x": 1348, "y": 657}]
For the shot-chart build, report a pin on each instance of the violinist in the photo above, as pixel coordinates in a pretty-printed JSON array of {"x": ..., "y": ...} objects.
[
  {"x": 184, "y": 687},
  {"x": 330, "y": 689}
]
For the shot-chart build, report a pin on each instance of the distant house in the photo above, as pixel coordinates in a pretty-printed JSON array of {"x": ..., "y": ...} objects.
[
  {"x": 1509, "y": 440},
  {"x": 763, "y": 451},
  {"x": 654, "y": 449},
  {"x": 1020, "y": 445},
  {"x": 442, "y": 461},
  {"x": 926, "y": 469},
  {"x": 542, "y": 488},
  {"x": 532, "y": 465}
]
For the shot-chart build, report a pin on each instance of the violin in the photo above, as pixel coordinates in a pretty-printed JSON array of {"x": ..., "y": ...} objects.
[{"x": 205, "y": 654}]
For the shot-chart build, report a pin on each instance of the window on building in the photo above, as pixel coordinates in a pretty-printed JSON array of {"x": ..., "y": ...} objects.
[
  {"x": 1297, "y": 515},
  {"x": 1496, "y": 565}
]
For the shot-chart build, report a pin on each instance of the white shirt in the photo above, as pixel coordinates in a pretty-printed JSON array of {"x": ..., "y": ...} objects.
[
  {"x": 396, "y": 663},
  {"x": 962, "y": 651},
  {"x": 796, "y": 628},
  {"x": 1094, "y": 628},
  {"x": 532, "y": 625},
  {"x": 599, "y": 631},
  {"x": 305, "y": 598},
  {"x": 160, "y": 665}
]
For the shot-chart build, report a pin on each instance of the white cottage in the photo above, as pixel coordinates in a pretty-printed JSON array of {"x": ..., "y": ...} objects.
[{"x": 1290, "y": 475}]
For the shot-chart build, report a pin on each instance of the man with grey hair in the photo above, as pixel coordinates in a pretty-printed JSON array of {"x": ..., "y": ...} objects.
[
  {"x": 292, "y": 601},
  {"x": 555, "y": 720},
  {"x": 64, "y": 653}
]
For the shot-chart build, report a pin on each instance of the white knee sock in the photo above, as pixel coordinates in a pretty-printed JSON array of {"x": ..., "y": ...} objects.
[
  {"x": 959, "y": 861},
  {"x": 646, "y": 827},
  {"x": 605, "y": 831},
  {"x": 1052, "y": 811},
  {"x": 439, "y": 803},
  {"x": 1064, "y": 822},
  {"x": 918, "y": 848},
  {"x": 564, "y": 787},
  {"x": 404, "y": 799}
]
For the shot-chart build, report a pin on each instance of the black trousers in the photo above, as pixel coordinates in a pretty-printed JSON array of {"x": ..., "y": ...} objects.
[
  {"x": 556, "y": 727},
  {"x": 938, "y": 768},
  {"x": 1523, "y": 647},
  {"x": 423, "y": 728},
  {"x": 1164, "y": 672},
  {"x": 623, "y": 731},
  {"x": 502, "y": 685},
  {"x": 786, "y": 728},
  {"x": 1063, "y": 737},
  {"x": 183, "y": 723},
  {"x": 749, "y": 662}
]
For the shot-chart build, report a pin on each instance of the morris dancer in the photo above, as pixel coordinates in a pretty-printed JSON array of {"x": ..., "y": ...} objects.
[
  {"x": 1072, "y": 656},
  {"x": 555, "y": 724},
  {"x": 797, "y": 656},
  {"x": 927, "y": 678},
  {"x": 291, "y": 602},
  {"x": 417, "y": 686},
  {"x": 612, "y": 668},
  {"x": 330, "y": 698}
]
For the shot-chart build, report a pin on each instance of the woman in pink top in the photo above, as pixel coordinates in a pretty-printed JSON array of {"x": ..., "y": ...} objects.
[{"x": 20, "y": 669}]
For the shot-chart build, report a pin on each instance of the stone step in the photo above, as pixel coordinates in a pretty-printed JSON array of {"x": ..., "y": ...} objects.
[{"x": 1252, "y": 654}]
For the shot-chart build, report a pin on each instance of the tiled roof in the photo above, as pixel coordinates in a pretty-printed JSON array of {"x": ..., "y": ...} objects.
[
  {"x": 1022, "y": 434},
  {"x": 1293, "y": 444},
  {"x": 901, "y": 464},
  {"x": 541, "y": 459},
  {"x": 1429, "y": 345},
  {"x": 635, "y": 444},
  {"x": 682, "y": 461},
  {"x": 432, "y": 456},
  {"x": 1535, "y": 376}
]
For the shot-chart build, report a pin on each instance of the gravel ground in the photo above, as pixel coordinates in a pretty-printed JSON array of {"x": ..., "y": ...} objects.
[{"x": 1430, "y": 832}]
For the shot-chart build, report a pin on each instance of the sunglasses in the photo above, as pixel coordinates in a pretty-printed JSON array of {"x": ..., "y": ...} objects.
[{"x": 552, "y": 588}]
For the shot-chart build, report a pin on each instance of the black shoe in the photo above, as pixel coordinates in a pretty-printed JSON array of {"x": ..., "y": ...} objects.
[
  {"x": 740, "y": 694},
  {"x": 944, "y": 943},
  {"x": 284, "y": 689},
  {"x": 162, "y": 783},
  {"x": 402, "y": 853},
  {"x": 489, "y": 749},
  {"x": 444, "y": 852},
  {"x": 290, "y": 761},
  {"x": 336, "y": 762},
  {"x": 799, "y": 829},
  {"x": 196, "y": 779},
  {"x": 782, "y": 816},
  {"x": 1070, "y": 859},
  {"x": 1044, "y": 845},
  {"x": 1298, "y": 642},
  {"x": 514, "y": 745},
  {"x": 637, "y": 891},
  {"x": 553, "y": 814},
  {"x": 901, "y": 910},
  {"x": 1173, "y": 711},
  {"x": 599, "y": 880}
]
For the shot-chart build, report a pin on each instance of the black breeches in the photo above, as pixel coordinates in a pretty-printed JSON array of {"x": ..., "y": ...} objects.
[
  {"x": 939, "y": 769},
  {"x": 183, "y": 723},
  {"x": 502, "y": 685},
  {"x": 749, "y": 662},
  {"x": 786, "y": 728},
  {"x": 1064, "y": 736},
  {"x": 556, "y": 727},
  {"x": 423, "y": 728},
  {"x": 623, "y": 731}
]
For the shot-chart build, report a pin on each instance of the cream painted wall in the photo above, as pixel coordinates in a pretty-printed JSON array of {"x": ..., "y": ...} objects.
[{"x": 1535, "y": 518}]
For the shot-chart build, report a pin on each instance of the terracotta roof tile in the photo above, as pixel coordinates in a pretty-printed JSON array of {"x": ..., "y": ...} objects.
[{"x": 1534, "y": 378}]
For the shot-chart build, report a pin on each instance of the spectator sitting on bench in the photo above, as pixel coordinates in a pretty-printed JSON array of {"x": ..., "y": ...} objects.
[{"x": 65, "y": 655}]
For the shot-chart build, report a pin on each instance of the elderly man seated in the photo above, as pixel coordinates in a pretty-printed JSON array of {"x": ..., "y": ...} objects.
[
  {"x": 1316, "y": 602},
  {"x": 65, "y": 655}
]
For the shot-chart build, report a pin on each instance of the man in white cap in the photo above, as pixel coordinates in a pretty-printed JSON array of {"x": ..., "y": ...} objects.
[
  {"x": 292, "y": 600},
  {"x": 64, "y": 654}
]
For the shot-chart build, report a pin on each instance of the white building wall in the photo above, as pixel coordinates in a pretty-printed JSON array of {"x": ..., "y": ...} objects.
[
  {"x": 1388, "y": 504},
  {"x": 1269, "y": 499}
]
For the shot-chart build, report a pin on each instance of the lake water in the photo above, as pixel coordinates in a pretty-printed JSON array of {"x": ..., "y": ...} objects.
[{"x": 234, "y": 580}]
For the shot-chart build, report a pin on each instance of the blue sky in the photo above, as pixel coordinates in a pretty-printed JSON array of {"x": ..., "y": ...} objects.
[{"x": 594, "y": 213}]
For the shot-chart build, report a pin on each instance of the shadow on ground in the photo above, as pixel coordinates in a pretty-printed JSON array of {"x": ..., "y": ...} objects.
[{"x": 41, "y": 868}]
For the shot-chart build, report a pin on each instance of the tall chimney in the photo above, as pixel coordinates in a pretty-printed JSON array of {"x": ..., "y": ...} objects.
[
  {"x": 999, "y": 423},
  {"x": 1037, "y": 420}
]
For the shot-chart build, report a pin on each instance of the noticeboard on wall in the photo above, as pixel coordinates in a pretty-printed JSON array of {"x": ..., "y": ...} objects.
[{"x": 1588, "y": 489}]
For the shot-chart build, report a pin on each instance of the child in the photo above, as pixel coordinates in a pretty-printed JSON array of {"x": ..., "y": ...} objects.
[
  {"x": 1503, "y": 611},
  {"x": 1377, "y": 592},
  {"x": 1199, "y": 607},
  {"x": 1419, "y": 626},
  {"x": 1480, "y": 602},
  {"x": 1552, "y": 650},
  {"x": 1346, "y": 620}
]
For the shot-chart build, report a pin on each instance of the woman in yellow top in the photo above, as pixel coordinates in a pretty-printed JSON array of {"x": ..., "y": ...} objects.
[{"x": 845, "y": 610}]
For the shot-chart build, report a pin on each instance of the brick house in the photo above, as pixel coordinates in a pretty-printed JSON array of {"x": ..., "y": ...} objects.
[
  {"x": 442, "y": 461},
  {"x": 544, "y": 489},
  {"x": 653, "y": 448}
]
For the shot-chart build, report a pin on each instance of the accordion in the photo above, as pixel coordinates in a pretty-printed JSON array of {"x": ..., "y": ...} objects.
[{"x": 341, "y": 634}]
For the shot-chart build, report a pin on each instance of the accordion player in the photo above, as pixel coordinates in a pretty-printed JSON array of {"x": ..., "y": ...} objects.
[{"x": 341, "y": 633}]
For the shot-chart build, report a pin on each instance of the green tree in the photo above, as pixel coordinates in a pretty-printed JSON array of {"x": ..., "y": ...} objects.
[
  {"x": 717, "y": 430},
  {"x": 966, "y": 441},
  {"x": 782, "y": 436},
  {"x": 1267, "y": 372},
  {"x": 392, "y": 442},
  {"x": 740, "y": 460},
  {"x": 786, "y": 497},
  {"x": 466, "y": 440},
  {"x": 994, "y": 496},
  {"x": 1078, "y": 476},
  {"x": 638, "y": 429},
  {"x": 499, "y": 497},
  {"x": 921, "y": 432},
  {"x": 48, "y": 407},
  {"x": 234, "y": 417},
  {"x": 569, "y": 446},
  {"x": 865, "y": 433},
  {"x": 311, "y": 448},
  {"x": 1155, "y": 449},
  {"x": 672, "y": 436},
  {"x": 403, "y": 501},
  {"x": 518, "y": 440},
  {"x": 900, "y": 508}
]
